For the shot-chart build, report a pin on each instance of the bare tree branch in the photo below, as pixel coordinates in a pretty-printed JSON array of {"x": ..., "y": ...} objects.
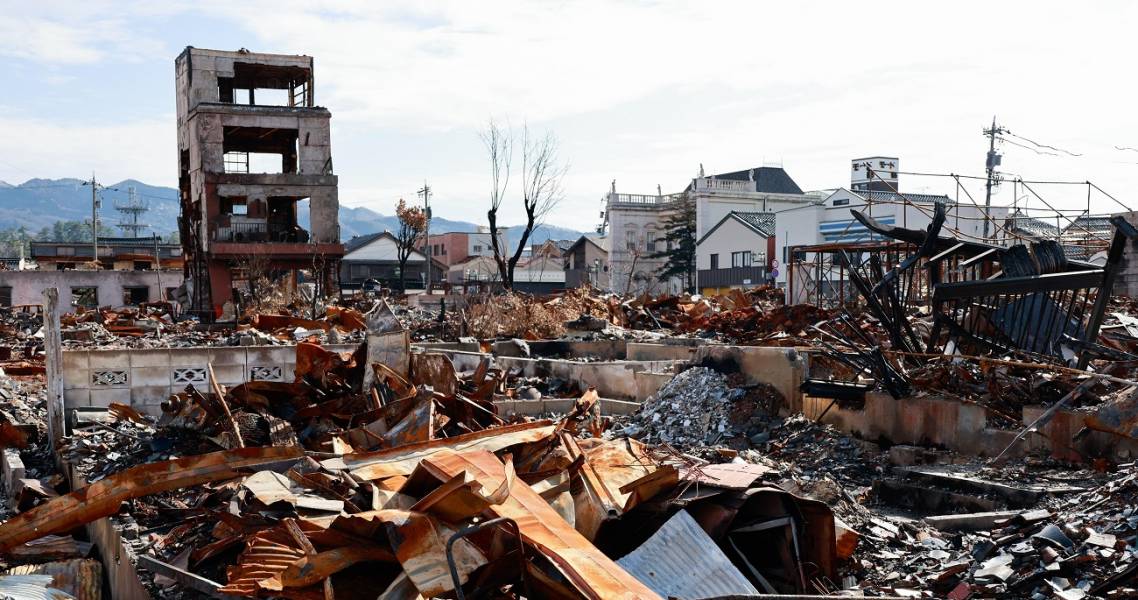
[
  {"x": 500, "y": 150},
  {"x": 542, "y": 174}
]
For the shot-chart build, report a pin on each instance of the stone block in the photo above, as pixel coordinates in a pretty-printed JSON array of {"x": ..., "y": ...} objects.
[
  {"x": 104, "y": 398},
  {"x": 230, "y": 375},
  {"x": 150, "y": 376},
  {"x": 109, "y": 359},
  {"x": 269, "y": 355},
  {"x": 75, "y": 360},
  {"x": 228, "y": 356},
  {"x": 150, "y": 358},
  {"x": 189, "y": 357},
  {"x": 76, "y": 378},
  {"x": 76, "y": 397},
  {"x": 148, "y": 395}
]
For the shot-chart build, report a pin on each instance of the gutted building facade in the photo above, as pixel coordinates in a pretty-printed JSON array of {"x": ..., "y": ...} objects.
[{"x": 254, "y": 152}]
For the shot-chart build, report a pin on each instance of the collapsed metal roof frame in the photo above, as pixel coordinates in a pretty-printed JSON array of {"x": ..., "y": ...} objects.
[{"x": 1007, "y": 299}]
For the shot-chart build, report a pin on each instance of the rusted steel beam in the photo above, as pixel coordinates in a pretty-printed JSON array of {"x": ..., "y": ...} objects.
[{"x": 103, "y": 498}]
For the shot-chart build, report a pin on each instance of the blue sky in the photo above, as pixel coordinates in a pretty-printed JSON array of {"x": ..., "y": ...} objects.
[{"x": 640, "y": 92}]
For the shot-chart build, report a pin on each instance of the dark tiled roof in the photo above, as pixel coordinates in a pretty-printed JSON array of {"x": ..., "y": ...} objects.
[
  {"x": 1032, "y": 226},
  {"x": 1096, "y": 224},
  {"x": 878, "y": 196},
  {"x": 360, "y": 241},
  {"x": 770, "y": 180},
  {"x": 762, "y": 221}
]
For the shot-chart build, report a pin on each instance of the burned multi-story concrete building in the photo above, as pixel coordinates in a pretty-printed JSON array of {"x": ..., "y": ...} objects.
[{"x": 254, "y": 152}]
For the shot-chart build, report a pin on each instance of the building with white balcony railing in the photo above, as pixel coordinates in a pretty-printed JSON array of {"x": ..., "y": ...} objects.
[{"x": 636, "y": 223}]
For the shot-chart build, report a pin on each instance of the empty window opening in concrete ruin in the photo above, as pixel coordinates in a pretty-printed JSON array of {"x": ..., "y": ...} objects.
[
  {"x": 135, "y": 295},
  {"x": 259, "y": 150},
  {"x": 85, "y": 296},
  {"x": 6, "y": 296},
  {"x": 272, "y": 219},
  {"x": 234, "y": 206},
  {"x": 266, "y": 85}
]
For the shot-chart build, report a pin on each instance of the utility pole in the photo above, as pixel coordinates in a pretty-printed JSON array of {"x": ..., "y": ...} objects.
[
  {"x": 425, "y": 194},
  {"x": 991, "y": 163},
  {"x": 94, "y": 220},
  {"x": 158, "y": 269}
]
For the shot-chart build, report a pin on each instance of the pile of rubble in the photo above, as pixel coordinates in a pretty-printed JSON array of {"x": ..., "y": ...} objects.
[
  {"x": 330, "y": 486},
  {"x": 691, "y": 410}
]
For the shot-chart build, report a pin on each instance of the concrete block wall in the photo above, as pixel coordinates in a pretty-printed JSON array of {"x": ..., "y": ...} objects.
[
  {"x": 952, "y": 424},
  {"x": 28, "y": 286},
  {"x": 144, "y": 378}
]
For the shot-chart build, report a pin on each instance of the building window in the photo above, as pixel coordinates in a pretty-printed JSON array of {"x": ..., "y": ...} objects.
[
  {"x": 650, "y": 241},
  {"x": 87, "y": 297},
  {"x": 714, "y": 261},
  {"x": 477, "y": 248},
  {"x": 6, "y": 296},
  {"x": 841, "y": 201},
  {"x": 741, "y": 259},
  {"x": 135, "y": 295},
  {"x": 893, "y": 174}
]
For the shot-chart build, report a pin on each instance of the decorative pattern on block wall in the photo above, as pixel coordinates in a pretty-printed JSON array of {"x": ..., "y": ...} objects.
[
  {"x": 265, "y": 374},
  {"x": 108, "y": 377},
  {"x": 189, "y": 375}
]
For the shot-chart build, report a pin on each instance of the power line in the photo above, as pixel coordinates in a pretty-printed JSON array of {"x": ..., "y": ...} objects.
[
  {"x": 1026, "y": 147},
  {"x": 1037, "y": 144}
]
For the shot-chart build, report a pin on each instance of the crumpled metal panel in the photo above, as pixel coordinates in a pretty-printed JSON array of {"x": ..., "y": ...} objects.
[
  {"x": 403, "y": 460},
  {"x": 592, "y": 573},
  {"x": 681, "y": 561},
  {"x": 267, "y": 555},
  {"x": 419, "y": 541},
  {"x": 81, "y": 577},
  {"x": 30, "y": 587}
]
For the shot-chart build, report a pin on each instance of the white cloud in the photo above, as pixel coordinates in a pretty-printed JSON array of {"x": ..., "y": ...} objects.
[
  {"x": 78, "y": 33},
  {"x": 142, "y": 150},
  {"x": 645, "y": 91}
]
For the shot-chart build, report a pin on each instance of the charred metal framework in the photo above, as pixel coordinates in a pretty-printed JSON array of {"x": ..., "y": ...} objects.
[
  {"x": 252, "y": 149},
  {"x": 1028, "y": 299}
]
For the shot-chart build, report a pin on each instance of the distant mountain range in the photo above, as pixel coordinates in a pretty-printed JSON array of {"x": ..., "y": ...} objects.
[{"x": 39, "y": 203}]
